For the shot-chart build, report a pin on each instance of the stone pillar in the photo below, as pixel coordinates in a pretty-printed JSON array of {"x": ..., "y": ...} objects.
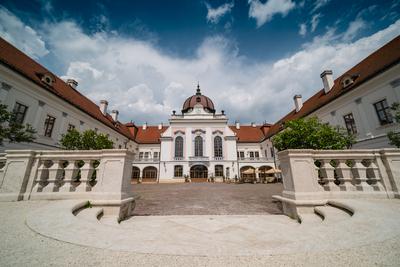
[
  {"x": 300, "y": 177},
  {"x": 16, "y": 174},
  {"x": 114, "y": 178},
  {"x": 391, "y": 161}
]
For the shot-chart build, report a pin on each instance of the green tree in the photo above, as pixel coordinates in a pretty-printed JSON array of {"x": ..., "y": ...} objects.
[
  {"x": 310, "y": 133},
  {"x": 11, "y": 130},
  {"x": 88, "y": 140},
  {"x": 394, "y": 136}
]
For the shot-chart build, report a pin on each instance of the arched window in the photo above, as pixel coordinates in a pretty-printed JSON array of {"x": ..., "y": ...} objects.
[
  {"x": 218, "y": 147},
  {"x": 179, "y": 147},
  {"x": 178, "y": 171},
  {"x": 198, "y": 146}
]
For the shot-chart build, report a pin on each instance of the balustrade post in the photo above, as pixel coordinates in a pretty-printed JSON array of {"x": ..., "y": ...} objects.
[
  {"x": 360, "y": 176},
  {"x": 344, "y": 176},
  {"x": 41, "y": 177},
  {"x": 376, "y": 179},
  {"x": 328, "y": 175},
  {"x": 55, "y": 176},
  {"x": 70, "y": 176},
  {"x": 86, "y": 171}
]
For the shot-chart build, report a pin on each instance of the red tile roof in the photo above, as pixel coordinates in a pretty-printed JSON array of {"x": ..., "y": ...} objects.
[
  {"x": 250, "y": 134},
  {"x": 30, "y": 69},
  {"x": 149, "y": 136},
  {"x": 379, "y": 61}
]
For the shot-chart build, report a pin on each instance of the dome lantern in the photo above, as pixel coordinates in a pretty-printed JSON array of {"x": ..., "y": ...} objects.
[{"x": 198, "y": 98}]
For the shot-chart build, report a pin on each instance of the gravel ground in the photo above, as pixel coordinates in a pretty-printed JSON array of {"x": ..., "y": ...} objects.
[
  {"x": 207, "y": 199},
  {"x": 20, "y": 246}
]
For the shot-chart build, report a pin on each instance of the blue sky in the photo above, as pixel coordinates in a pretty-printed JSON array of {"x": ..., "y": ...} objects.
[{"x": 250, "y": 57}]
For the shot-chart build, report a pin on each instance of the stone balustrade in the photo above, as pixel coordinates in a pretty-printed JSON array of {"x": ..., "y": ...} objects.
[
  {"x": 311, "y": 177},
  {"x": 61, "y": 174}
]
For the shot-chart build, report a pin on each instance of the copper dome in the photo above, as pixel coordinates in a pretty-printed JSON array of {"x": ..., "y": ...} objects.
[{"x": 198, "y": 98}]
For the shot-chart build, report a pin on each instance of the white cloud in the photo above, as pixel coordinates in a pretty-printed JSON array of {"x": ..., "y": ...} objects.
[
  {"x": 22, "y": 36},
  {"x": 303, "y": 29},
  {"x": 215, "y": 14},
  {"x": 318, "y": 4},
  {"x": 263, "y": 12},
  {"x": 315, "y": 21},
  {"x": 146, "y": 84},
  {"x": 354, "y": 28}
]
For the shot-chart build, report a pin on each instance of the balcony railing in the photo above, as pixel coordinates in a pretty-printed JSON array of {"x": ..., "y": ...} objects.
[
  {"x": 146, "y": 160},
  {"x": 199, "y": 158},
  {"x": 254, "y": 159}
]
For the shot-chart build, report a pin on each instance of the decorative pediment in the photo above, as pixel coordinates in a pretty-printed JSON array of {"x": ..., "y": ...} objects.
[
  {"x": 199, "y": 131},
  {"x": 217, "y": 132},
  {"x": 179, "y": 132}
]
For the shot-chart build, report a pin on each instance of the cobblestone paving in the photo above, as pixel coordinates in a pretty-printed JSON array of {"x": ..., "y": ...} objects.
[{"x": 207, "y": 199}]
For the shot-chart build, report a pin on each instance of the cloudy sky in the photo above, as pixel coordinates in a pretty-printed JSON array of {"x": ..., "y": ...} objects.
[{"x": 250, "y": 57}]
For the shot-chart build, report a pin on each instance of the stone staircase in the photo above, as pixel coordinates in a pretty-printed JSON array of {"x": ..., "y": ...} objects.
[{"x": 329, "y": 214}]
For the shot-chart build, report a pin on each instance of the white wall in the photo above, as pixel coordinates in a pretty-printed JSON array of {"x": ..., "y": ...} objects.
[
  {"x": 42, "y": 103},
  {"x": 360, "y": 102}
]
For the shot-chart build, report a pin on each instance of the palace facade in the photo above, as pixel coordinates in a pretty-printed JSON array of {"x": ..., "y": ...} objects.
[{"x": 198, "y": 142}]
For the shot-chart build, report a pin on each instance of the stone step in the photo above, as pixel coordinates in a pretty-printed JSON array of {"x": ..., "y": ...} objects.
[
  {"x": 310, "y": 218},
  {"x": 331, "y": 214},
  {"x": 90, "y": 214}
]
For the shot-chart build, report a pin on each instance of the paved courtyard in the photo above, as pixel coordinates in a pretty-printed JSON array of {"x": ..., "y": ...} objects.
[{"x": 207, "y": 199}]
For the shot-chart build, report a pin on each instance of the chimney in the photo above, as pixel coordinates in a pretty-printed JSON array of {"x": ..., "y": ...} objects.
[
  {"x": 237, "y": 125},
  {"x": 114, "y": 114},
  {"x": 103, "y": 106},
  {"x": 144, "y": 127},
  {"x": 73, "y": 83},
  {"x": 298, "y": 102},
  {"x": 160, "y": 126},
  {"x": 327, "y": 80}
]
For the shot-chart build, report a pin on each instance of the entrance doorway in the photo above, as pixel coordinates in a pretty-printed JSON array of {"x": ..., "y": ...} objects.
[{"x": 198, "y": 173}]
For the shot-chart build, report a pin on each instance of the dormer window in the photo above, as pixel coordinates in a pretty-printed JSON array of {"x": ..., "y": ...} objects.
[
  {"x": 48, "y": 79},
  {"x": 348, "y": 80},
  {"x": 198, "y": 99}
]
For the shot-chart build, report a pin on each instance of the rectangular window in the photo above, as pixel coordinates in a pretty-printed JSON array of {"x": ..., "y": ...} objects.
[
  {"x": 71, "y": 127},
  {"x": 241, "y": 154},
  {"x": 155, "y": 155},
  {"x": 146, "y": 155},
  {"x": 251, "y": 154},
  {"x": 19, "y": 112},
  {"x": 49, "y": 125},
  {"x": 272, "y": 152},
  {"x": 383, "y": 111},
  {"x": 266, "y": 153},
  {"x": 178, "y": 171},
  {"x": 350, "y": 123},
  {"x": 140, "y": 155},
  {"x": 257, "y": 154}
]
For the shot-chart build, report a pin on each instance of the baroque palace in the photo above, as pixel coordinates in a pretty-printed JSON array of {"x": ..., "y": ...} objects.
[{"x": 198, "y": 142}]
